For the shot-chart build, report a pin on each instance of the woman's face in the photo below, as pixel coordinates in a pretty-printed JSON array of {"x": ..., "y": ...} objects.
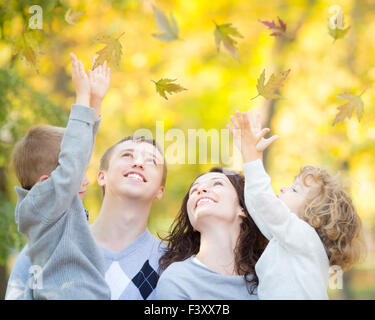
[{"x": 212, "y": 197}]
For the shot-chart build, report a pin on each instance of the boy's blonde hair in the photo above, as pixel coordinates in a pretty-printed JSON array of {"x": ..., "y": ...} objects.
[
  {"x": 36, "y": 154},
  {"x": 331, "y": 212}
]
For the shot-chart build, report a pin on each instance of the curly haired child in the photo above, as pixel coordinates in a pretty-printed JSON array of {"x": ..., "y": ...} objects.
[{"x": 310, "y": 225}]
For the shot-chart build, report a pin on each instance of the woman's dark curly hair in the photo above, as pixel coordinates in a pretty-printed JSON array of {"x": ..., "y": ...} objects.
[{"x": 183, "y": 242}]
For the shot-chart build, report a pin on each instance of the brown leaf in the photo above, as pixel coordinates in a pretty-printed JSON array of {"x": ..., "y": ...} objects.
[
  {"x": 278, "y": 30},
  {"x": 72, "y": 17}
]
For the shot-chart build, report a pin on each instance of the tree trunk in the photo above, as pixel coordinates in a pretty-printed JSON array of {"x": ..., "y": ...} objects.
[{"x": 3, "y": 271}]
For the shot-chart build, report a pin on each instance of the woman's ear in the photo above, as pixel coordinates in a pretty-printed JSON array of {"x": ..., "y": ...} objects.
[
  {"x": 242, "y": 212},
  {"x": 159, "y": 193},
  {"x": 101, "y": 178}
]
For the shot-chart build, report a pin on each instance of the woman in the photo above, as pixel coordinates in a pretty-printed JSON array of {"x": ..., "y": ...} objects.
[{"x": 214, "y": 244}]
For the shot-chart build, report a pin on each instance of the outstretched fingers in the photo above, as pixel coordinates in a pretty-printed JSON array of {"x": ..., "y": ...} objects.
[
  {"x": 82, "y": 69},
  {"x": 260, "y": 135},
  {"x": 271, "y": 140},
  {"x": 234, "y": 121},
  {"x": 74, "y": 61}
]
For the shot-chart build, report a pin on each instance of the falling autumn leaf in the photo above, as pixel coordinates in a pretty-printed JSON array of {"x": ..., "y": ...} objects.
[
  {"x": 338, "y": 33},
  {"x": 166, "y": 85},
  {"x": 267, "y": 90},
  {"x": 111, "y": 52},
  {"x": 72, "y": 17},
  {"x": 169, "y": 28},
  {"x": 278, "y": 30},
  {"x": 336, "y": 27},
  {"x": 27, "y": 47},
  {"x": 224, "y": 33},
  {"x": 345, "y": 111}
]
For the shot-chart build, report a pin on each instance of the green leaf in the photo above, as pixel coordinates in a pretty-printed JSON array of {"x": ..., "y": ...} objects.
[
  {"x": 27, "y": 47},
  {"x": 223, "y": 34},
  {"x": 337, "y": 33},
  {"x": 169, "y": 28},
  {"x": 166, "y": 85}
]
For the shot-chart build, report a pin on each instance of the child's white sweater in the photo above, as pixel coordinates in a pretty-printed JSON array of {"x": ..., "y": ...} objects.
[{"x": 294, "y": 264}]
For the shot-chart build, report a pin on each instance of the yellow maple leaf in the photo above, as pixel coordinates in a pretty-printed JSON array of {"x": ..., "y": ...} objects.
[
  {"x": 111, "y": 52},
  {"x": 346, "y": 110},
  {"x": 267, "y": 90}
]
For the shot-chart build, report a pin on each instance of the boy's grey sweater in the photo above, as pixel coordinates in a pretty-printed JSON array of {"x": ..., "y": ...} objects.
[{"x": 53, "y": 218}]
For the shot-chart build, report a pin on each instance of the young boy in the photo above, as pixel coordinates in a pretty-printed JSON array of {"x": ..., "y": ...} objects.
[
  {"x": 49, "y": 210},
  {"x": 310, "y": 226}
]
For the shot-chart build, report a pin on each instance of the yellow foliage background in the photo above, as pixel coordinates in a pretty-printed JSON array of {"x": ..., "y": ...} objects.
[{"x": 218, "y": 85}]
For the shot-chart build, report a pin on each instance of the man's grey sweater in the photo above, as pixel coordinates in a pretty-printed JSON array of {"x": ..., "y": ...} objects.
[{"x": 53, "y": 218}]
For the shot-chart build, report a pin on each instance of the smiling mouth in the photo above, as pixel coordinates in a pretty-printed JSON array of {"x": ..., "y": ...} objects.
[
  {"x": 204, "y": 200},
  {"x": 135, "y": 175}
]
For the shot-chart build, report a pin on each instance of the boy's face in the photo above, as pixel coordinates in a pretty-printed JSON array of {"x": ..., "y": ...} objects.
[
  {"x": 296, "y": 196},
  {"x": 135, "y": 169},
  {"x": 82, "y": 190}
]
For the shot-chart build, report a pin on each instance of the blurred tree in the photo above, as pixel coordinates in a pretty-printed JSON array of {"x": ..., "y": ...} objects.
[{"x": 17, "y": 99}]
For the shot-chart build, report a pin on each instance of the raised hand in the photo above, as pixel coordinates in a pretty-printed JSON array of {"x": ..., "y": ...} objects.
[
  {"x": 259, "y": 133},
  {"x": 80, "y": 81},
  {"x": 248, "y": 136},
  {"x": 99, "y": 80}
]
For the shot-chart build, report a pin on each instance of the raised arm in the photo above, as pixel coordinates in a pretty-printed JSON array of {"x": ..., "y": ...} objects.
[
  {"x": 272, "y": 216},
  {"x": 248, "y": 137},
  {"x": 50, "y": 198}
]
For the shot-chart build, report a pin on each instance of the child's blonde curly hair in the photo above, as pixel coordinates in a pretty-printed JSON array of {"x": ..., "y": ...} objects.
[{"x": 331, "y": 212}]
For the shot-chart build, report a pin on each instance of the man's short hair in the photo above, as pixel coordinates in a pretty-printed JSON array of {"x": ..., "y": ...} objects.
[
  {"x": 104, "y": 161},
  {"x": 37, "y": 154}
]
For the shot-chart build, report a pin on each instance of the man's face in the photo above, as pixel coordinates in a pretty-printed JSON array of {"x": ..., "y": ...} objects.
[{"x": 135, "y": 170}]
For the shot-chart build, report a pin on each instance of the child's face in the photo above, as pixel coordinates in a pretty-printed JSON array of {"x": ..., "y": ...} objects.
[
  {"x": 135, "y": 169},
  {"x": 82, "y": 190},
  {"x": 296, "y": 196}
]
